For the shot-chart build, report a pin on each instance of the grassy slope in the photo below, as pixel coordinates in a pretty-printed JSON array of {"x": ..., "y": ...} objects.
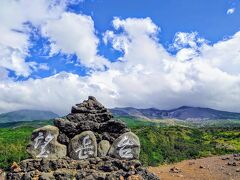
[
  {"x": 161, "y": 143},
  {"x": 13, "y": 145},
  {"x": 173, "y": 144}
]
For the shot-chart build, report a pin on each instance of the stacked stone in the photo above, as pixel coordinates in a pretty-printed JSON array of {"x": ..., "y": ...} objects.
[
  {"x": 85, "y": 144},
  {"x": 90, "y": 116}
]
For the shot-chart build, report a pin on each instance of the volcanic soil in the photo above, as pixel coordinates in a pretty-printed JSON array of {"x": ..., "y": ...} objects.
[{"x": 225, "y": 167}]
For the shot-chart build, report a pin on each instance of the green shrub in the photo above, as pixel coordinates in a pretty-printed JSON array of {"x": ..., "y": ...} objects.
[{"x": 159, "y": 145}]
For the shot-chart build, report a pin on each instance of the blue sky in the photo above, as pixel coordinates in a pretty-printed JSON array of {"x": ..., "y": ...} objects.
[
  {"x": 111, "y": 48},
  {"x": 207, "y": 18}
]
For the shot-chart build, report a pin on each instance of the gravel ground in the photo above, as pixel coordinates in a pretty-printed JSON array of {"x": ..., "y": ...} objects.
[{"x": 225, "y": 167}]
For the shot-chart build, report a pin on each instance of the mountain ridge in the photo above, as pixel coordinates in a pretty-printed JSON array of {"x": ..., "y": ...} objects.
[
  {"x": 182, "y": 113},
  {"x": 26, "y": 115},
  {"x": 186, "y": 113}
]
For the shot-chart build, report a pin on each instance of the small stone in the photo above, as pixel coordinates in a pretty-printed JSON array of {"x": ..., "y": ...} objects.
[
  {"x": 44, "y": 143},
  {"x": 175, "y": 170},
  {"x": 237, "y": 170},
  {"x": 201, "y": 167},
  {"x": 236, "y": 155},
  {"x": 135, "y": 177},
  {"x": 63, "y": 139},
  {"x": 127, "y": 146},
  {"x": 15, "y": 167},
  {"x": 103, "y": 148},
  {"x": 83, "y": 146},
  {"x": 179, "y": 175},
  {"x": 191, "y": 163},
  {"x": 132, "y": 167},
  {"x": 232, "y": 163},
  {"x": 228, "y": 173},
  {"x": 236, "y": 158},
  {"x": 225, "y": 158},
  {"x": 46, "y": 176}
]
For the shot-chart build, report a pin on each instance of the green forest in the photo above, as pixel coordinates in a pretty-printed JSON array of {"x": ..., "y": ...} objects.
[{"x": 159, "y": 144}]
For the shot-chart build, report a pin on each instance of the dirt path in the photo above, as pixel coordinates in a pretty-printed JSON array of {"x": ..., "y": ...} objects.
[{"x": 225, "y": 167}]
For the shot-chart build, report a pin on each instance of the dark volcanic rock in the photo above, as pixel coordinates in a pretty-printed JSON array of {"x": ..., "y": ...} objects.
[
  {"x": 91, "y": 116},
  {"x": 105, "y": 168},
  {"x": 71, "y": 148},
  {"x": 91, "y": 110},
  {"x": 65, "y": 126}
]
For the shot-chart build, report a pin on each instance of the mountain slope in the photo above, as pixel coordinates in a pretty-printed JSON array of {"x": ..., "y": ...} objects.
[
  {"x": 183, "y": 113},
  {"x": 26, "y": 115}
]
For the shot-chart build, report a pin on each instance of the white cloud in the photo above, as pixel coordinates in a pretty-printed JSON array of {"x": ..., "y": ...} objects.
[
  {"x": 191, "y": 40},
  {"x": 199, "y": 74},
  {"x": 56, "y": 93},
  {"x": 224, "y": 55},
  {"x": 3, "y": 74},
  {"x": 149, "y": 76},
  {"x": 43, "y": 66},
  {"x": 231, "y": 11},
  {"x": 75, "y": 34},
  {"x": 14, "y": 40}
]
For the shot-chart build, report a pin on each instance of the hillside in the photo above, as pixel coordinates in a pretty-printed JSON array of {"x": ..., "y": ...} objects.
[
  {"x": 182, "y": 113},
  {"x": 159, "y": 144},
  {"x": 26, "y": 115}
]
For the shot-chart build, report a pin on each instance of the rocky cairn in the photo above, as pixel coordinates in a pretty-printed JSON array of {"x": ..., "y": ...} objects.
[{"x": 86, "y": 144}]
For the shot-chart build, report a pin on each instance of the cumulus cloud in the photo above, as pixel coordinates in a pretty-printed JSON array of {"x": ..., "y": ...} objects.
[
  {"x": 146, "y": 75},
  {"x": 152, "y": 77},
  {"x": 231, "y": 11},
  {"x": 15, "y": 18},
  {"x": 75, "y": 34},
  {"x": 56, "y": 93}
]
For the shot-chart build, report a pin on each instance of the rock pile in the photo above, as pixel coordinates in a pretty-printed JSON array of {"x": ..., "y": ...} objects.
[{"x": 86, "y": 144}]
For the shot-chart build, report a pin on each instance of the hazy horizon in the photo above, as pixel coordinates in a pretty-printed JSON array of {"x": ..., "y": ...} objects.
[{"x": 69, "y": 110}]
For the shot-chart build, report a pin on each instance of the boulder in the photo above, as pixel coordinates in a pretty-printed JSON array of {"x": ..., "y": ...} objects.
[
  {"x": 127, "y": 146},
  {"x": 44, "y": 143},
  {"x": 83, "y": 146},
  {"x": 103, "y": 148}
]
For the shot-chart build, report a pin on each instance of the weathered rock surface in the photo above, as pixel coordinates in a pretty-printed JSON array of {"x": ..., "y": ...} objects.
[
  {"x": 83, "y": 146},
  {"x": 44, "y": 143},
  {"x": 90, "y": 109},
  {"x": 103, "y": 148},
  {"x": 127, "y": 146},
  {"x": 90, "y": 116},
  {"x": 105, "y": 168}
]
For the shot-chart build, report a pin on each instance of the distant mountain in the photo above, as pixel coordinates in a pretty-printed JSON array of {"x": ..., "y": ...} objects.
[
  {"x": 26, "y": 115},
  {"x": 33, "y": 124},
  {"x": 182, "y": 113}
]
